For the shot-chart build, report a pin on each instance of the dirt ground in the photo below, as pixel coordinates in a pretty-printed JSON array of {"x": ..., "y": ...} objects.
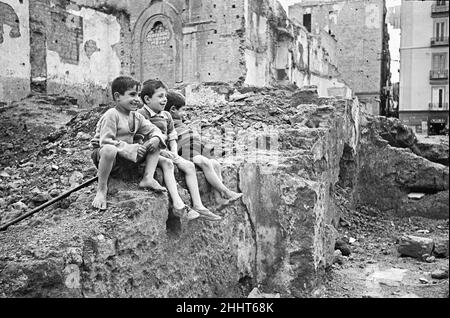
[{"x": 41, "y": 157}]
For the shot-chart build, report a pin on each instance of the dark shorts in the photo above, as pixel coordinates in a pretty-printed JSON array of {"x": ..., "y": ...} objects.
[
  {"x": 119, "y": 166},
  {"x": 188, "y": 149}
]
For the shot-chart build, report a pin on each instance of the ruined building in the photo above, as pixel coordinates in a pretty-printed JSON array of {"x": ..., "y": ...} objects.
[
  {"x": 77, "y": 47},
  {"x": 358, "y": 27},
  {"x": 424, "y": 66}
]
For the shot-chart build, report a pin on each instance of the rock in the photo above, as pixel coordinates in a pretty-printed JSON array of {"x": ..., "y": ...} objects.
[
  {"x": 343, "y": 247},
  {"x": 83, "y": 136},
  {"x": 415, "y": 246},
  {"x": 430, "y": 259},
  {"x": 386, "y": 186},
  {"x": 4, "y": 174},
  {"x": 439, "y": 274},
  {"x": 256, "y": 293},
  {"x": 441, "y": 247},
  {"x": 395, "y": 132},
  {"x": 433, "y": 206},
  {"x": 41, "y": 197},
  {"x": 416, "y": 196},
  {"x": 20, "y": 206},
  {"x": 55, "y": 167},
  {"x": 434, "y": 151},
  {"x": 338, "y": 259},
  {"x": 423, "y": 280},
  {"x": 75, "y": 178},
  {"x": 54, "y": 193}
]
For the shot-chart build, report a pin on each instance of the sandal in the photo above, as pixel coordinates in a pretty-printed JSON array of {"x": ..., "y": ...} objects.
[
  {"x": 185, "y": 212},
  {"x": 229, "y": 201},
  {"x": 208, "y": 215}
]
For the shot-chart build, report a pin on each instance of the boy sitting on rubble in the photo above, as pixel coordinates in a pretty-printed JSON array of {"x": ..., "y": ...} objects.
[
  {"x": 191, "y": 148},
  {"x": 113, "y": 140},
  {"x": 153, "y": 95}
]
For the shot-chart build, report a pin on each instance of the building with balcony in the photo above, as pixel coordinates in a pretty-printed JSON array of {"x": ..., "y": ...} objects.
[{"x": 424, "y": 56}]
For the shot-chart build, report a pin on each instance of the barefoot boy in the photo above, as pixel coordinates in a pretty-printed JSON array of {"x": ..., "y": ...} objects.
[
  {"x": 191, "y": 148},
  {"x": 113, "y": 140},
  {"x": 153, "y": 95}
]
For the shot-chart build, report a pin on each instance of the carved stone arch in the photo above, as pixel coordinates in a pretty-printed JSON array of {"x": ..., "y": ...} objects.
[{"x": 158, "y": 59}]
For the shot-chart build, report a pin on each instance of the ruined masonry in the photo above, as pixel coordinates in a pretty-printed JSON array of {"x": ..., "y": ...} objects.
[{"x": 78, "y": 47}]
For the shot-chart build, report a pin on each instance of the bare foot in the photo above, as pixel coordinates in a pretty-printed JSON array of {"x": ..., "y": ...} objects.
[
  {"x": 99, "y": 201},
  {"x": 152, "y": 184}
]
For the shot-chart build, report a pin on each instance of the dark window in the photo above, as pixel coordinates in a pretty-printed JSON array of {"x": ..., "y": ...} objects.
[{"x": 307, "y": 22}]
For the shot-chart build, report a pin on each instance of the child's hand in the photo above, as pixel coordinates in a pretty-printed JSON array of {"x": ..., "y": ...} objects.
[
  {"x": 168, "y": 154},
  {"x": 142, "y": 151},
  {"x": 153, "y": 144}
]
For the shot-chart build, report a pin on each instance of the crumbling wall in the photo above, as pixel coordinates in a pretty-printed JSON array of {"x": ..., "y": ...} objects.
[
  {"x": 202, "y": 41},
  {"x": 358, "y": 28},
  {"x": 280, "y": 51},
  {"x": 15, "y": 67},
  {"x": 81, "y": 51}
]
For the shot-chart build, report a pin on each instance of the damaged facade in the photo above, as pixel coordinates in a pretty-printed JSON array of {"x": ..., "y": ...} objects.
[
  {"x": 360, "y": 32},
  {"x": 78, "y": 47}
]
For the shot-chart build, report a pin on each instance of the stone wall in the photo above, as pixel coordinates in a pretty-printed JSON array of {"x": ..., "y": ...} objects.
[
  {"x": 82, "y": 52},
  {"x": 358, "y": 27},
  {"x": 79, "y": 47},
  {"x": 14, "y": 50}
]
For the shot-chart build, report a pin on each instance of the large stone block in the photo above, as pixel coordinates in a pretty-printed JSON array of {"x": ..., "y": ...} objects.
[{"x": 415, "y": 246}]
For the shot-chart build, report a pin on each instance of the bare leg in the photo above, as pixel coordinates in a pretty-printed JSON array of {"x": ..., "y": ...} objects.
[
  {"x": 211, "y": 176},
  {"x": 218, "y": 171},
  {"x": 191, "y": 180},
  {"x": 148, "y": 181},
  {"x": 171, "y": 183},
  {"x": 108, "y": 154}
]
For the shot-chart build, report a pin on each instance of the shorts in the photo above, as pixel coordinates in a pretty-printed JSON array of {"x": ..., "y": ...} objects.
[
  {"x": 120, "y": 164},
  {"x": 188, "y": 149}
]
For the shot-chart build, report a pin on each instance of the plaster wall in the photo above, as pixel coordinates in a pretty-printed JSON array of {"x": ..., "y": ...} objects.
[{"x": 15, "y": 69}]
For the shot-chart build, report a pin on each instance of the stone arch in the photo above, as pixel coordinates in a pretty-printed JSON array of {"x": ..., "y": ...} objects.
[{"x": 156, "y": 42}]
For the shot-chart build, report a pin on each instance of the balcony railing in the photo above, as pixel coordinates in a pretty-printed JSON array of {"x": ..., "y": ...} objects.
[
  {"x": 438, "y": 106},
  {"x": 439, "y": 8},
  {"x": 438, "y": 74},
  {"x": 437, "y": 41}
]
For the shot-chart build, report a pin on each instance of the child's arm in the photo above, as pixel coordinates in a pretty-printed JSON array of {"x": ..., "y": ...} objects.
[
  {"x": 172, "y": 135},
  {"x": 107, "y": 129},
  {"x": 150, "y": 130}
]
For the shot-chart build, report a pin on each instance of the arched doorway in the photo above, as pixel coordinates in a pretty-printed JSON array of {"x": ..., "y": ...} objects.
[{"x": 158, "y": 50}]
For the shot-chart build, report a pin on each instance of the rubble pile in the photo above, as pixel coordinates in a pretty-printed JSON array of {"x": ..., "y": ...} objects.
[{"x": 281, "y": 238}]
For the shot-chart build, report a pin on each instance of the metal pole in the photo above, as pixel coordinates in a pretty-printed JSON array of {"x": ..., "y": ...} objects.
[{"x": 43, "y": 206}]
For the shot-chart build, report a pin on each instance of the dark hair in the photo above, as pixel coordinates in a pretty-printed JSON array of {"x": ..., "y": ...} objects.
[
  {"x": 150, "y": 86},
  {"x": 123, "y": 83},
  {"x": 174, "y": 99}
]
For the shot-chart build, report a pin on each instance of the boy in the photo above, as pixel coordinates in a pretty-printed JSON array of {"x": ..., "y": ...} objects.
[
  {"x": 153, "y": 95},
  {"x": 191, "y": 148},
  {"x": 113, "y": 140}
]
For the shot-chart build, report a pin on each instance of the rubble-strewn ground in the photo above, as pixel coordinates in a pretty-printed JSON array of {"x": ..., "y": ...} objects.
[{"x": 44, "y": 151}]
